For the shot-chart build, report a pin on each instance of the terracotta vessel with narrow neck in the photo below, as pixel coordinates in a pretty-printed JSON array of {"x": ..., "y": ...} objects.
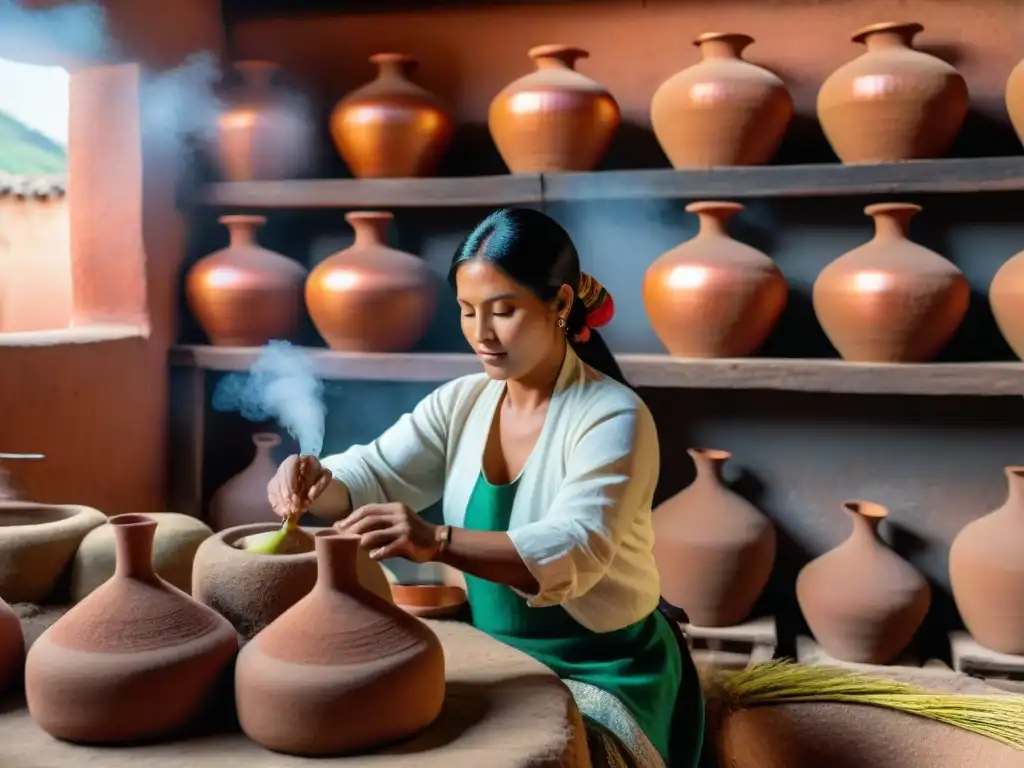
[
  {"x": 342, "y": 670},
  {"x": 391, "y": 127},
  {"x": 1006, "y": 297},
  {"x": 722, "y": 110},
  {"x": 137, "y": 659},
  {"x": 369, "y": 297},
  {"x": 245, "y": 295},
  {"x": 713, "y": 296},
  {"x": 12, "y": 648},
  {"x": 862, "y": 602},
  {"x": 1015, "y": 99},
  {"x": 242, "y": 500},
  {"x": 890, "y": 300},
  {"x": 986, "y": 572},
  {"x": 554, "y": 119},
  {"x": 893, "y": 102}
]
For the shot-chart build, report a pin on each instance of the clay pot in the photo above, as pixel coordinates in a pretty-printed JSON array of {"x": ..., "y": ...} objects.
[
  {"x": 251, "y": 590},
  {"x": 340, "y": 649},
  {"x": 243, "y": 498},
  {"x": 1015, "y": 99},
  {"x": 37, "y": 545},
  {"x": 12, "y": 648},
  {"x": 861, "y": 601},
  {"x": 369, "y": 297},
  {"x": 429, "y": 601},
  {"x": 722, "y": 110},
  {"x": 266, "y": 132},
  {"x": 391, "y": 127},
  {"x": 245, "y": 295},
  {"x": 553, "y": 119},
  {"x": 890, "y": 300},
  {"x": 137, "y": 659},
  {"x": 986, "y": 572},
  {"x": 714, "y": 549},
  {"x": 713, "y": 296},
  {"x": 1006, "y": 297},
  {"x": 892, "y": 102}
]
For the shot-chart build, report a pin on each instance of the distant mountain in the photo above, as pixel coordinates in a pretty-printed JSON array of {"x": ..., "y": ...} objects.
[{"x": 25, "y": 151}]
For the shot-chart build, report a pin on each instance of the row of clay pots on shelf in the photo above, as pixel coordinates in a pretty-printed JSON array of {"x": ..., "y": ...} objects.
[
  {"x": 892, "y": 103},
  {"x": 863, "y": 603}
]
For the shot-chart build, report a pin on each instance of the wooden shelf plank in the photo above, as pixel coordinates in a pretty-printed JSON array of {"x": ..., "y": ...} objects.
[{"x": 830, "y": 376}]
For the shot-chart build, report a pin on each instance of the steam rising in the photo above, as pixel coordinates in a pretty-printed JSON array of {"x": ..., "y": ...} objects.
[{"x": 281, "y": 385}]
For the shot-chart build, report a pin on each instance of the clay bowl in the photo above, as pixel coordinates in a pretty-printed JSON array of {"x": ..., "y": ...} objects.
[
  {"x": 429, "y": 601},
  {"x": 37, "y": 543}
]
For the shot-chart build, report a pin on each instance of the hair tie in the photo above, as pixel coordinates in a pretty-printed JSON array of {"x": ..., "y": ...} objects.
[{"x": 598, "y": 303}]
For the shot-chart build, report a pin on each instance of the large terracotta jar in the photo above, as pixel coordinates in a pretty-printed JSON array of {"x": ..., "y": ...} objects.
[
  {"x": 1015, "y": 99},
  {"x": 714, "y": 549},
  {"x": 245, "y": 295},
  {"x": 986, "y": 572},
  {"x": 340, "y": 649},
  {"x": 265, "y": 132},
  {"x": 722, "y": 110},
  {"x": 369, "y": 297},
  {"x": 136, "y": 660},
  {"x": 893, "y": 102},
  {"x": 713, "y": 296},
  {"x": 12, "y": 648},
  {"x": 243, "y": 498},
  {"x": 861, "y": 601},
  {"x": 1006, "y": 297},
  {"x": 391, "y": 127},
  {"x": 890, "y": 300},
  {"x": 554, "y": 119}
]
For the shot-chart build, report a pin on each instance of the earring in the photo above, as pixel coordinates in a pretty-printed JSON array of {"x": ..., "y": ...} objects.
[{"x": 561, "y": 323}]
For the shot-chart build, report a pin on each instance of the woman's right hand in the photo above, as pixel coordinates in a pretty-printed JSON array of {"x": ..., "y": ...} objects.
[{"x": 284, "y": 491}]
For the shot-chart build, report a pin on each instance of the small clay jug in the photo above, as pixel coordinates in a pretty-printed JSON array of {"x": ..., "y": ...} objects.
[
  {"x": 892, "y": 102},
  {"x": 986, "y": 572},
  {"x": 714, "y": 549},
  {"x": 12, "y": 649},
  {"x": 342, "y": 670},
  {"x": 245, "y": 295},
  {"x": 136, "y": 660},
  {"x": 861, "y": 601},
  {"x": 243, "y": 498},
  {"x": 369, "y": 297},
  {"x": 1015, "y": 99},
  {"x": 722, "y": 110},
  {"x": 266, "y": 131},
  {"x": 553, "y": 119},
  {"x": 1006, "y": 297},
  {"x": 890, "y": 300},
  {"x": 391, "y": 127},
  {"x": 713, "y": 296}
]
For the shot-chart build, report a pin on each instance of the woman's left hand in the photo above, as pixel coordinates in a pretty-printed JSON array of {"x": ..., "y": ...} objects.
[{"x": 392, "y": 530}]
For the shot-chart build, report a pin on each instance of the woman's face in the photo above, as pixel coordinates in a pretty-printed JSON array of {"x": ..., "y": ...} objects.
[{"x": 512, "y": 331}]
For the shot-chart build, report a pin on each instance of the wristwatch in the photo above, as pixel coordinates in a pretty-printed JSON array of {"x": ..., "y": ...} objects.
[{"x": 443, "y": 537}]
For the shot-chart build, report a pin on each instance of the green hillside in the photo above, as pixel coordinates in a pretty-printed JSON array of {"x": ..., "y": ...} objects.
[{"x": 25, "y": 151}]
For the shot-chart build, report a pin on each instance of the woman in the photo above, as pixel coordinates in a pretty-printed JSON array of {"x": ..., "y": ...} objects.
[{"x": 547, "y": 465}]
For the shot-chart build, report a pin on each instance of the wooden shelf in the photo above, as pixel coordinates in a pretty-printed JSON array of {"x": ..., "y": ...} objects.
[{"x": 831, "y": 376}]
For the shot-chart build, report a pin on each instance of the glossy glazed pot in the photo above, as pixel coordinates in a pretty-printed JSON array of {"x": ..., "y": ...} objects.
[
  {"x": 369, "y": 297},
  {"x": 12, "y": 649},
  {"x": 862, "y": 602},
  {"x": 340, "y": 649},
  {"x": 1006, "y": 298},
  {"x": 986, "y": 572},
  {"x": 245, "y": 295},
  {"x": 890, "y": 300},
  {"x": 713, "y": 296},
  {"x": 554, "y": 119},
  {"x": 391, "y": 127},
  {"x": 243, "y": 498},
  {"x": 722, "y": 110},
  {"x": 137, "y": 659},
  {"x": 892, "y": 102},
  {"x": 714, "y": 549}
]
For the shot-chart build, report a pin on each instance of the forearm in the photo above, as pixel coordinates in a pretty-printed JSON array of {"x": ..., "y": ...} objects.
[
  {"x": 488, "y": 555},
  {"x": 334, "y": 504}
]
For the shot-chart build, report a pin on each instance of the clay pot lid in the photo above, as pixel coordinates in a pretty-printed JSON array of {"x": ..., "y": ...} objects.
[
  {"x": 908, "y": 28},
  {"x": 738, "y": 38},
  {"x": 882, "y": 209},
  {"x": 567, "y": 54},
  {"x": 714, "y": 454},
  {"x": 869, "y": 509},
  {"x": 714, "y": 206}
]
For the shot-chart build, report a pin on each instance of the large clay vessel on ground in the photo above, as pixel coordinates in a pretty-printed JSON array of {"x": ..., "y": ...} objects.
[
  {"x": 722, "y": 110},
  {"x": 713, "y": 296},
  {"x": 554, "y": 119},
  {"x": 137, "y": 659},
  {"x": 243, "y": 499},
  {"x": 714, "y": 549},
  {"x": 986, "y": 572},
  {"x": 892, "y": 102},
  {"x": 391, "y": 127},
  {"x": 369, "y": 297},
  {"x": 245, "y": 295},
  {"x": 1006, "y": 297},
  {"x": 890, "y": 300},
  {"x": 340, "y": 671},
  {"x": 1015, "y": 98},
  {"x": 265, "y": 132},
  {"x": 861, "y": 601},
  {"x": 12, "y": 648}
]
